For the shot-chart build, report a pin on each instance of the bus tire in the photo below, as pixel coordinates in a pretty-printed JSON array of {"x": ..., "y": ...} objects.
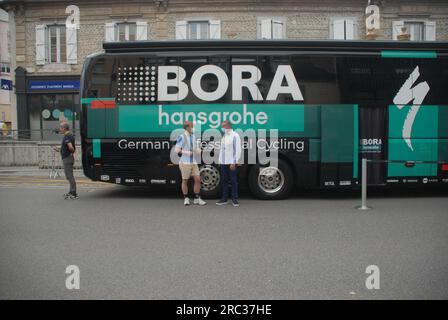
[
  {"x": 210, "y": 181},
  {"x": 271, "y": 183}
]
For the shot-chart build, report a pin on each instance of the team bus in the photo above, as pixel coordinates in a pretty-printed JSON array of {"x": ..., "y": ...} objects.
[{"x": 332, "y": 102}]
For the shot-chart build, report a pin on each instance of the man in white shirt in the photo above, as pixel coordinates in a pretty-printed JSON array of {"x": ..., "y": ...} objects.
[{"x": 229, "y": 154}]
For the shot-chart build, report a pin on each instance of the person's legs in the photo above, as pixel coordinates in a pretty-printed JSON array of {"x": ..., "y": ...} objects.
[
  {"x": 225, "y": 182},
  {"x": 224, "y": 185},
  {"x": 234, "y": 183},
  {"x": 185, "y": 171},
  {"x": 184, "y": 187},
  {"x": 197, "y": 179},
  {"x": 197, "y": 189},
  {"x": 197, "y": 185},
  {"x": 68, "y": 171}
]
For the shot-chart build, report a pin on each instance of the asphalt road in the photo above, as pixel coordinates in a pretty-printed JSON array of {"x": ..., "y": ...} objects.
[{"x": 144, "y": 244}]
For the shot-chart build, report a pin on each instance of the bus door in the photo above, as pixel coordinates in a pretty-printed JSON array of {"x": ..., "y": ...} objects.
[
  {"x": 373, "y": 142},
  {"x": 339, "y": 145}
]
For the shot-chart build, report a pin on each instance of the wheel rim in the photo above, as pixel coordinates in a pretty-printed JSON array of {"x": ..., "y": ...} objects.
[
  {"x": 210, "y": 178},
  {"x": 271, "y": 180}
]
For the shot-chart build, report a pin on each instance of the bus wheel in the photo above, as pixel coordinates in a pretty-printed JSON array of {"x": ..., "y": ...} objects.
[
  {"x": 271, "y": 183},
  {"x": 210, "y": 181}
]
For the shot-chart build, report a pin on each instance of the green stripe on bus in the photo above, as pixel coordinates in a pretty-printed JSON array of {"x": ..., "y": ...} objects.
[
  {"x": 165, "y": 118},
  {"x": 96, "y": 148},
  {"x": 355, "y": 141},
  {"x": 408, "y": 54}
]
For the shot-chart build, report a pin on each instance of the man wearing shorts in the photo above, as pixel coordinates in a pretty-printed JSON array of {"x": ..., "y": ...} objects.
[{"x": 186, "y": 145}]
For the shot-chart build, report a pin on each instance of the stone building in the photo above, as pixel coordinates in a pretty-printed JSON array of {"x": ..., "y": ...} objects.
[
  {"x": 47, "y": 57},
  {"x": 5, "y": 75}
]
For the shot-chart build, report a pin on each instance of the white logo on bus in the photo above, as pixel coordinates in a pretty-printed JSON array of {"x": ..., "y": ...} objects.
[
  {"x": 407, "y": 94},
  {"x": 243, "y": 76}
]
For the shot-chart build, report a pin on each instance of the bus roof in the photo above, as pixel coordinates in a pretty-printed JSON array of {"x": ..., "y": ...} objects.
[{"x": 441, "y": 47}]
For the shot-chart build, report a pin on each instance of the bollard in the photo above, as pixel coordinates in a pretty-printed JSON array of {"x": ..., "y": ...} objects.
[{"x": 363, "y": 205}]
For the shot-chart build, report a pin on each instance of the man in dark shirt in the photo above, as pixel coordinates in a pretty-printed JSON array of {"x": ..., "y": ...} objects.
[{"x": 67, "y": 149}]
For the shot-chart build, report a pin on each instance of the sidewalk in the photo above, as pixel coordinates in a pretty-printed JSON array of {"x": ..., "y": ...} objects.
[{"x": 34, "y": 172}]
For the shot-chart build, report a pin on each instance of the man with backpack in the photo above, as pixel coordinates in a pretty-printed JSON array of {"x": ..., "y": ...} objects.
[{"x": 186, "y": 146}]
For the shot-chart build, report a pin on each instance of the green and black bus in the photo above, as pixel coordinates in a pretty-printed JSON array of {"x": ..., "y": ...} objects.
[{"x": 332, "y": 102}]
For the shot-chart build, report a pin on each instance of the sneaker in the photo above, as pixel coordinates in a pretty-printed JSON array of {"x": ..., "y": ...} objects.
[
  {"x": 199, "y": 201},
  {"x": 74, "y": 196},
  {"x": 221, "y": 202},
  {"x": 235, "y": 203},
  {"x": 67, "y": 195},
  {"x": 187, "y": 201}
]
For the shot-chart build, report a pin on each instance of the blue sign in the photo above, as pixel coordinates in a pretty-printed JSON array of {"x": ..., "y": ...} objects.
[
  {"x": 6, "y": 84},
  {"x": 36, "y": 85}
]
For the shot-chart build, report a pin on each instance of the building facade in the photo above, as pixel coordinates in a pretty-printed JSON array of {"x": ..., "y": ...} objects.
[
  {"x": 47, "y": 56},
  {"x": 5, "y": 75}
]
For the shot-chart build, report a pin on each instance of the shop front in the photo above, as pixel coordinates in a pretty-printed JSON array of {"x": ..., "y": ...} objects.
[{"x": 48, "y": 101}]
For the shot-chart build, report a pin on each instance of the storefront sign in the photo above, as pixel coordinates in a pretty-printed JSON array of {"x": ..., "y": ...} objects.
[
  {"x": 6, "y": 84},
  {"x": 37, "y": 85}
]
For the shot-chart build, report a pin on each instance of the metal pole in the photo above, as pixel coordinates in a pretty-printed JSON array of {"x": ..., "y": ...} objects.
[{"x": 363, "y": 205}]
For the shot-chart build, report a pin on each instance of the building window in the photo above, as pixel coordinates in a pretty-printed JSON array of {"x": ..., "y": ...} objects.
[
  {"x": 343, "y": 29},
  {"x": 126, "y": 31},
  {"x": 56, "y": 44},
  {"x": 416, "y": 30},
  {"x": 198, "y": 29},
  {"x": 271, "y": 28},
  {"x": 5, "y": 68},
  {"x": 419, "y": 30}
]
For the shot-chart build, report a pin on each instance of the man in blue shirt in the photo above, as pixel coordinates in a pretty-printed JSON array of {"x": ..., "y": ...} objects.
[{"x": 186, "y": 145}]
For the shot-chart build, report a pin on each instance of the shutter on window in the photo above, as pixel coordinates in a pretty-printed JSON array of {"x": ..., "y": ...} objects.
[
  {"x": 181, "y": 30},
  {"x": 430, "y": 31},
  {"x": 40, "y": 44},
  {"x": 266, "y": 29},
  {"x": 349, "y": 30},
  {"x": 72, "y": 45},
  {"x": 142, "y": 30},
  {"x": 215, "y": 29},
  {"x": 109, "y": 32},
  {"x": 277, "y": 29},
  {"x": 396, "y": 29},
  {"x": 339, "y": 29}
]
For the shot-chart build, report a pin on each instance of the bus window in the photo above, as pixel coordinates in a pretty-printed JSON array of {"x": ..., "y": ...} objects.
[
  {"x": 317, "y": 78},
  {"x": 135, "y": 79},
  {"x": 209, "y": 81},
  {"x": 268, "y": 66},
  {"x": 252, "y": 71}
]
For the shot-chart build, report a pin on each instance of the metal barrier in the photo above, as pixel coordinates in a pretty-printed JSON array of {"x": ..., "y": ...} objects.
[
  {"x": 24, "y": 135},
  {"x": 38, "y": 135},
  {"x": 54, "y": 172},
  {"x": 364, "y": 162}
]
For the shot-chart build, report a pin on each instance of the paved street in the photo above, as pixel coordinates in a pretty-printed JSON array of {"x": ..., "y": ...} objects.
[{"x": 143, "y": 244}]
